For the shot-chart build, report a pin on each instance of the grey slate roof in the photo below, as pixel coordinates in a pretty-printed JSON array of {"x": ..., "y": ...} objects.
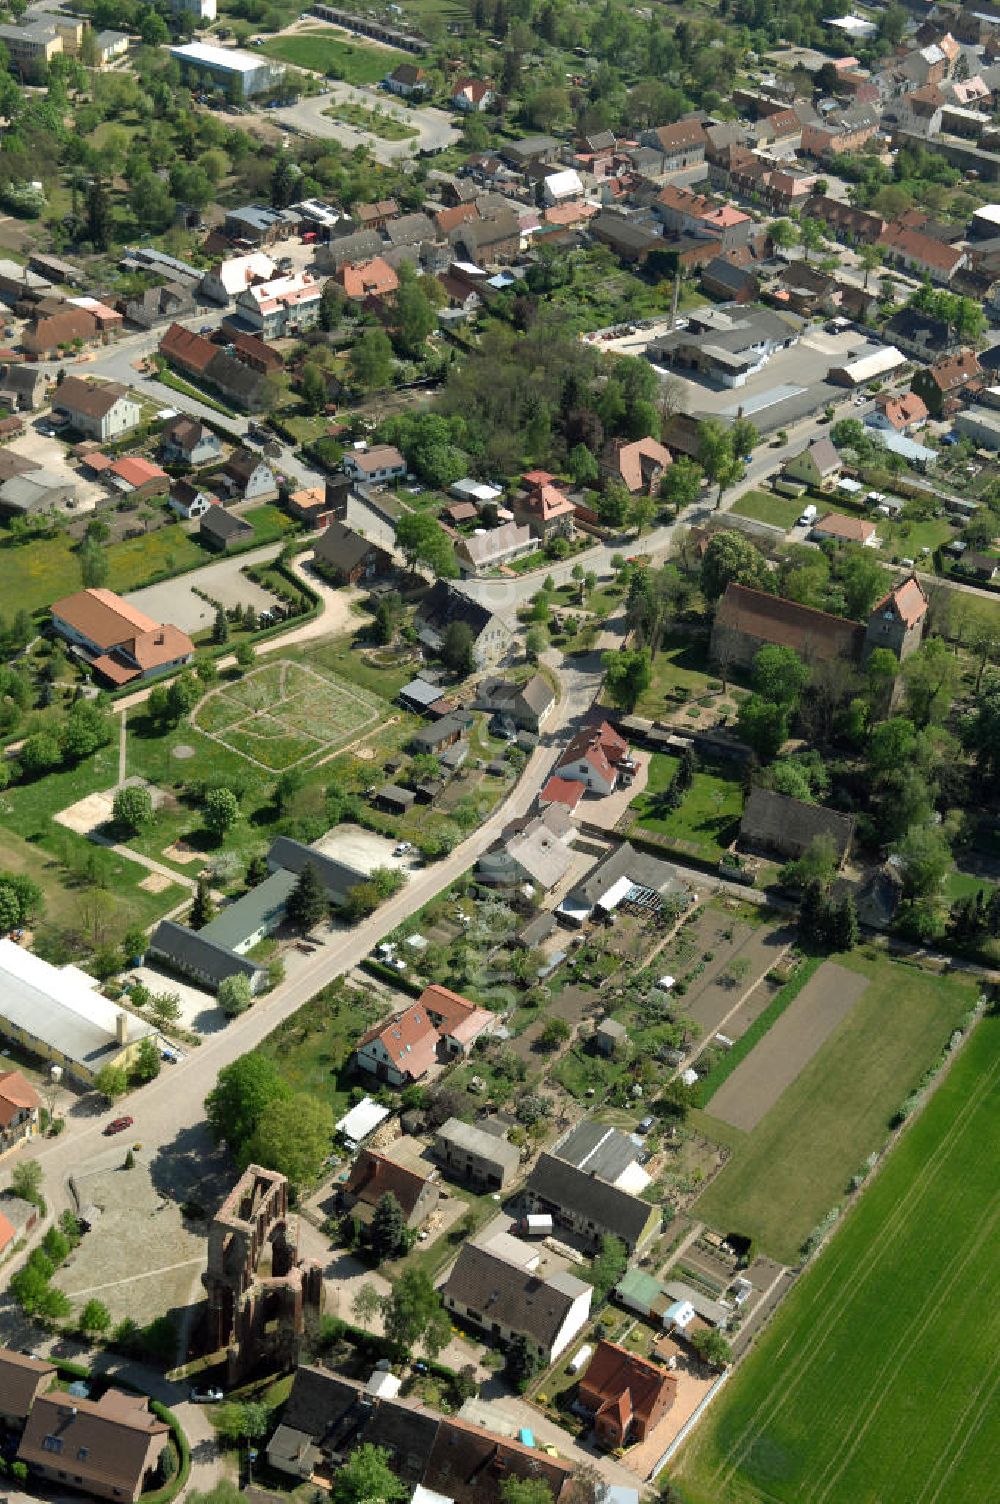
[
  {"x": 444, "y": 604},
  {"x": 263, "y": 905},
  {"x": 501, "y": 1292},
  {"x": 645, "y": 871},
  {"x": 559, "y": 1186},
  {"x": 337, "y": 877},
  {"x": 597, "y": 1149},
  {"x": 189, "y": 951},
  {"x": 789, "y": 825},
  {"x": 224, "y": 525},
  {"x": 477, "y": 1141}
]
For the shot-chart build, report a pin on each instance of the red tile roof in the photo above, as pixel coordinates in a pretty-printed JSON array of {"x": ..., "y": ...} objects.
[
  {"x": 16, "y": 1095},
  {"x": 907, "y": 600},
  {"x": 914, "y": 245},
  {"x": 850, "y": 529},
  {"x": 622, "y": 1386},
  {"x": 566, "y": 791},
  {"x": 770, "y": 618}
]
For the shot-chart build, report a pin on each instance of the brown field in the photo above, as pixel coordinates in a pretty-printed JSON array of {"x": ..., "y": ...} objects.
[{"x": 786, "y": 1049}]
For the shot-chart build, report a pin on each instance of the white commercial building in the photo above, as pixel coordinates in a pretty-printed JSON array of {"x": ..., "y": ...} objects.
[{"x": 242, "y": 74}]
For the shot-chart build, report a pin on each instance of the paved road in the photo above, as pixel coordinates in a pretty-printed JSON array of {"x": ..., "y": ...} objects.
[{"x": 435, "y": 129}]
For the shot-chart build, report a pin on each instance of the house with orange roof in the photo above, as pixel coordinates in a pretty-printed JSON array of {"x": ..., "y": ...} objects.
[
  {"x": 368, "y": 279},
  {"x": 593, "y": 758},
  {"x": 439, "y": 1025},
  {"x": 121, "y": 642},
  {"x": 920, "y": 253},
  {"x": 545, "y": 509},
  {"x": 471, "y": 95},
  {"x": 625, "y": 1395},
  {"x": 565, "y": 791},
  {"x": 137, "y": 477},
  {"x": 639, "y": 466},
  {"x": 905, "y": 414},
  {"x": 838, "y": 528},
  {"x": 310, "y": 506},
  {"x": 374, "y": 1176},
  {"x": 19, "y": 1108}
]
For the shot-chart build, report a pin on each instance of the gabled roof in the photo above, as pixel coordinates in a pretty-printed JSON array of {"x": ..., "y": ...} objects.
[
  {"x": 342, "y": 547},
  {"x": 617, "y": 1378},
  {"x": 136, "y": 471},
  {"x": 194, "y": 950},
  {"x": 904, "y": 410},
  {"x": 771, "y": 619},
  {"x": 105, "y": 1441},
  {"x": 922, "y": 248},
  {"x": 634, "y": 461},
  {"x": 905, "y": 600},
  {"x": 189, "y": 349},
  {"x": 954, "y": 371},
  {"x": 88, "y": 398},
  {"x": 823, "y": 453},
  {"x": 444, "y": 603},
  {"x": 101, "y": 616},
  {"x": 336, "y": 876},
  {"x": 16, "y": 1095},
  {"x": 514, "y": 1297},
  {"x": 20, "y": 1376},
  {"x": 477, "y": 1141},
  {"x": 682, "y": 133},
  {"x": 219, "y": 523},
  {"x": 374, "y": 1176},
  {"x": 564, "y": 791},
  {"x": 409, "y": 1039},
  {"x": 779, "y": 820},
  {"x": 560, "y": 1185}
]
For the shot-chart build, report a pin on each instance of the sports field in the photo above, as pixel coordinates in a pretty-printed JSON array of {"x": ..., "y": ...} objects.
[
  {"x": 794, "y": 1165},
  {"x": 879, "y": 1380},
  {"x": 285, "y": 714},
  {"x": 333, "y": 52}
]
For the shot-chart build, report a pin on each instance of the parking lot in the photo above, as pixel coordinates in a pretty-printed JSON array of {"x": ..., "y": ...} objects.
[
  {"x": 363, "y": 849},
  {"x": 176, "y": 600}
]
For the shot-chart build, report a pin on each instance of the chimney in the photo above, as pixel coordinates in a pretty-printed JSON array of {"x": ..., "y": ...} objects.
[{"x": 121, "y": 1027}]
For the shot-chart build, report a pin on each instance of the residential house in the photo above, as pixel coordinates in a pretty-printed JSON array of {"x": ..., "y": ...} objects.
[
  {"x": 625, "y": 1395},
  {"x": 22, "y": 387},
  {"x": 108, "y": 1448},
  {"x": 440, "y": 1024},
  {"x": 102, "y": 412},
  {"x": 923, "y": 254},
  {"x": 506, "y": 1300},
  {"x": 609, "y": 884},
  {"x": 376, "y": 216},
  {"x": 522, "y": 707},
  {"x": 593, "y": 757},
  {"x": 374, "y": 1176},
  {"x": 730, "y": 282},
  {"x": 804, "y": 290},
  {"x": 48, "y": 334},
  {"x": 155, "y": 305},
  {"x": 407, "y": 79},
  {"x": 566, "y": 792},
  {"x": 920, "y": 112},
  {"x": 467, "y": 1152},
  {"x": 10, "y": 427},
  {"x": 122, "y": 642},
  {"x": 746, "y": 620},
  {"x": 247, "y": 477},
  {"x": 855, "y": 226},
  {"x": 195, "y": 356},
  {"x": 189, "y": 441},
  {"x": 256, "y": 226},
  {"x": 376, "y": 466},
  {"x": 562, "y": 187},
  {"x": 223, "y": 531},
  {"x": 916, "y": 333},
  {"x": 681, "y": 145},
  {"x": 471, "y": 95},
  {"x": 362, "y": 245},
  {"x": 249, "y": 349},
  {"x": 283, "y": 306},
  {"x": 190, "y": 501},
  {"x": 492, "y": 548},
  {"x": 20, "y": 1105},
  {"x": 348, "y": 557},
  {"x": 949, "y": 382},
  {"x": 311, "y": 506},
  {"x": 543, "y": 507},
  {"x": 227, "y": 279},
  {"x": 779, "y": 825},
  {"x": 22, "y": 1379},
  {"x": 818, "y": 465},
  {"x": 686, "y": 213},
  {"x": 589, "y": 1208},
  {"x": 530, "y": 151},
  {"x": 533, "y": 850},
  {"x": 905, "y": 414},
  {"x": 492, "y": 240},
  {"x": 640, "y": 465},
  {"x": 373, "y": 278},
  {"x": 841, "y": 132},
  {"x": 445, "y": 603},
  {"x": 633, "y": 243}
]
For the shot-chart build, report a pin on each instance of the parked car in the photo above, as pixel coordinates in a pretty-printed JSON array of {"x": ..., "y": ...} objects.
[
  {"x": 206, "y": 1396},
  {"x": 118, "y": 1125}
]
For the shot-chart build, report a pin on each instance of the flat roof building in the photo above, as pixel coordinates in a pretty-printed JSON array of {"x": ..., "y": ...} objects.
[{"x": 242, "y": 73}]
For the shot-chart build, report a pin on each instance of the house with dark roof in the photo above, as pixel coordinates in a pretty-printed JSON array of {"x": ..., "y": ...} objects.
[
  {"x": 730, "y": 283},
  {"x": 506, "y": 1301},
  {"x": 917, "y": 334},
  {"x": 681, "y": 144},
  {"x": 345, "y": 556},
  {"x": 587, "y": 1207},
  {"x": 407, "y": 79},
  {"x": 22, "y": 387},
  {"x": 818, "y": 465},
  {"x": 445, "y": 603},
  {"x": 221, "y": 530},
  {"x": 108, "y": 1448},
  {"x": 100, "y": 411},
  {"x": 191, "y": 953},
  {"x": 374, "y": 1176},
  {"x": 337, "y": 877},
  {"x": 625, "y": 1395},
  {"x": 189, "y": 500},
  {"x": 189, "y": 441},
  {"x": 154, "y": 305},
  {"x": 611, "y": 1155},
  {"x": 22, "y": 1379},
  {"x": 631, "y": 241},
  {"x": 247, "y": 477},
  {"x": 778, "y": 825}
]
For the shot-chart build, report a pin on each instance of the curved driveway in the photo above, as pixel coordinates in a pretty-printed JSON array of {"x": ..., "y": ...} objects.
[{"x": 434, "y": 128}]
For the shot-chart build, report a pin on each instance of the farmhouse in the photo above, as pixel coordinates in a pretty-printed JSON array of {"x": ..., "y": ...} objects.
[
  {"x": 508, "y": 1301},
  {"x": 374, "y": 1176},
  {"x": 122, "y": 643},
  {"x": 469, "y": 1153},
  {"x": 443, "y": 604},
  {"x": 589, "y": 1207},
  {"x": 625, "y": 1395},
  {"x": 746, "y": 620},
  {"x": 779, "y": 825}
]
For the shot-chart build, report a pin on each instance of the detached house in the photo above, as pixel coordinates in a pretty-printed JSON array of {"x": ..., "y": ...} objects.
[
  {"x": 819, "y": 465},
  {"x": 285, "y": 305},
  {"x": 680, "y": 145},
  {"x": 188, "y": 441},
  {"x": 100, "y": 411},
  {"x": 593, "y": 757},
  {"x": 380, "y": 463},
  {"x": 189, "y": 500},
  {"x": 406, "y": 80},
  {"x": 445, "y": 603},
  {"x": 19, "y": 1109},
  {"x": 779, "y": 825},
  {"x": 349, "y": 557},
  {"x": 374, "y": 278},
  {"x": 545, "y": 509},
  {"x": 471, "y": 1154},
  {"x": 247, "y": 477},
  {"x": 493, "y": 548},
  {"x": 374, "y": 1176},
  {"x": 948, "y": 383},
  {"x": 525, "y": 707},
  {"x": 109, "y": 1447},
  {"x": 122, "y": 642},
  {"x": 507, "y": 1300},
  {"x": 472, "y": 95},
  {"x": 906, "y": 414},
  {"x": 22, "y": 1380},
  {"x": 625, "y": 1395},
  {"x": 640, "y": 466},
  {"x": 439, "y": 1025},
  {"x": 589, "y": 1207}
]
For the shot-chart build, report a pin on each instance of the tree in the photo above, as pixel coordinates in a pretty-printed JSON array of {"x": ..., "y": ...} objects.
[
  {"x": 111, "y": 1082},
  {"x": 784, "y": 234},
  {"x": 367, "y": 1476},
  {"x": 525, "y": 1491},
  {"x": 366, "y": 1305},
  {"x": 313, "y": 388},
  {"x": 924, "y": 859},
  {"x": 731, "y": 558},
  {"x": 221, "y": 811},
  {"x": 133, "y": 807},
  {"x": 712, "y": 1347},
  {"x": 234, "y": 994},
  {"x": 389, "y": 1232},
  {"x": 582, "y": 465},
  {"x": 818, "y": 863},
  {"x": 930, "y": 679},
  {"x": 535, "y": 643},
  {"x": 293, "y": 1136},
  {"x": 681, "y": 483},
  {"x": 458, "y": 648},
  {"x": 779, "y": 675},
  {"x": 414, "y": 317},
  {"x": 370, "y": 362},
  {"x": 414, "y": 1314},
  {"x": 614, "y": 504},
  {"x": 308, "y": 902},
  {"x": 862, "y": 579},
  {"x": 627, "y": 675},
  {"x": 39, "y": 753},
  {"x": 555, "y": 1032},
  {"x": 146, "y": 1066},
  {"x": 94, "y": 1318},
  {"x": 245, "y": 655},
  {"x": 151, "y": 202},
  {"x": 743, "y": 438},
  {"x": 240, "y": 1096},
  {"x": 203, "y": 908},
  {"x": 870, "y": 256},
  {"x": 87, "y": 728},
  {"x": 423, "y": 542},
  {"x": 763, "y": 725},
  {"x": 220, "y": 628},
  {"x": 26, "y": 1180},
  {"x": 609, "y": 1266},
  {"x": 642, "y": 512},
  {"x": 812, "y": 234},
  {"x": 523, "y": 1361},
  {"x": 716, "y": 455},
  {"x": 244, "y": 1420},
  {"x": 165, "y": 1008}
]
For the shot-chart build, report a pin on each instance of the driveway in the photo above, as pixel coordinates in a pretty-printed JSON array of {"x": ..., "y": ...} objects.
[{"x": 177, "y": 601}]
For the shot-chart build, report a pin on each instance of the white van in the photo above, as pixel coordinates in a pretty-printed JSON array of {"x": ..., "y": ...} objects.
[{"x": 808, "y": 517}]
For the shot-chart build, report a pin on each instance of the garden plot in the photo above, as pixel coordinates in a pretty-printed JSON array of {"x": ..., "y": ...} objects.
[
  {"x": 786, "y": 1049},
  {"x": 285, "y": 714}
]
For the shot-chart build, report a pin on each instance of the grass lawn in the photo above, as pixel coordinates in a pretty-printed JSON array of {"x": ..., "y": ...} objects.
[
  {"x": 375, "y": 121},
  {"x": 877, "y": 1379},
  {"x": 905, "y": 540},
  {"x": 708, "y": 816},
  {"x": 314, "y": 1046},
  {"x": 779, "y": 511},
  {"x": 35, "y": 574},
  {"x": 269, "y": 522},
  {"x": 783, "y": 1177},
  {"x": 333, "y": 53},
  {"x": 680, "y": 670}
]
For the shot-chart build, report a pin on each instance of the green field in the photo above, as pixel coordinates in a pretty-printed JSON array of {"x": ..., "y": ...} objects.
[
  {"x": 331, "y": 52},
  {"x": 779, "y": 511},
  {"x": 877, "y": 1382},
  {"x": 35, "y": 574},
  {"x": 784, "y": 1177},
  {"x": 705, "y": 822}
]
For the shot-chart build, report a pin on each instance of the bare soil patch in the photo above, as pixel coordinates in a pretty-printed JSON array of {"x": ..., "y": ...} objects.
[
  {"x": 155, "y": 883},
  {"x": 758, "y": 1081}
]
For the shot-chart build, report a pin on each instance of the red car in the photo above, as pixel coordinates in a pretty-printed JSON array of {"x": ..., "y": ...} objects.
[{"x": 118, "y": 1125}]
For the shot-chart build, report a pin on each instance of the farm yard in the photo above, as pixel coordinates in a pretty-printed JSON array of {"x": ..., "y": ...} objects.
[
  {"x": 787, "y": 1171},
  {"x": 893, "y": 1323},
  {"x": 285, "y": 714}
]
